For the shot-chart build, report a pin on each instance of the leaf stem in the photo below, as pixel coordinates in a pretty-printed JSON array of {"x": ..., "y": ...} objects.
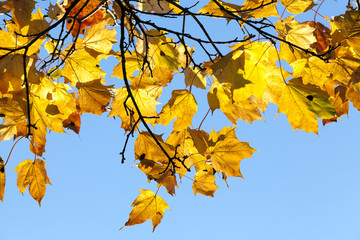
[{"x": 12, "y": 150}]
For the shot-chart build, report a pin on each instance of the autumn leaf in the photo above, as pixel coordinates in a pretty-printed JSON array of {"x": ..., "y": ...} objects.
[
  {"x": 73, "y": 122},
  {"x": 159, "y": 173},
  {"x": 99, "y": 38},
  {"x": 312, "y": 70},
  {"x": 220, "y": 97},
  {"x": 81, "y": 10},
  {"x": 204, "y": 183},
  {"x": 146, "y": 144},
  {"x": 347, "y": 26},
  {"x": 82, "y": 67},
  {"x": 298, "y": 6},
  {"x": 195, "y": 76},
  {"x": 181, "y": 105},
  {"x": 322, "y": 34},
  {"x": 160, "y": 50},
  {"x": 301, "y": 35},
  {"x": 147, "y": 206},
  {"x": 2, "y": 179},
  {"x": 303, "y": 103},
  {"x": 146, "y": 103},
  {"x": 226, "y": 155},
  {"x": 156, "y": 6},
  {"x": 213, "y": 8},
  {"x": 93, "y": 96},
  {"x": 33, "y": 175}
]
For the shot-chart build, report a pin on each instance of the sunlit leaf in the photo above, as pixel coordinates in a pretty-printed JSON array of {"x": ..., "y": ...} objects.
[
  {"x": 147, "y": 206},
  {"x": 32, "y": 175}
]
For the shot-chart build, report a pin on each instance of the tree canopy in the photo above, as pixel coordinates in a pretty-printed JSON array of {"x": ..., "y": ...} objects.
[{"x": 52, "y": 72}]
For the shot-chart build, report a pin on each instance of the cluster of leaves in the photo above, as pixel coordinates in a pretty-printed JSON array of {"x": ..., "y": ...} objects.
[{"x": 50, "y": 74}]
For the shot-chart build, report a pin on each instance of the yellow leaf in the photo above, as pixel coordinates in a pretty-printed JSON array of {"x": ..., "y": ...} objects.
[
  {"x": 8, "y": 129},
  {"x": 12, "y": 72},
  {"x": 161, "y": 50},
  {"x": 146, "y": 146},
  {"x": 21, "y": 11},
  {"x": 230, "y": 68},
  {"x": 298, "y": 6},
  {"x": 33, "y": 175},
  {"x": 82, "y": 67},
  {"x": 146, "y": 103},
  {"x": 312, "y": 70},
  {"x": 301, "y": 35},
  {"x": 348, "y": 27},
  {"x": 99, "y": 38},
  {"x": 220, "y": 97},
  {"x": 181, "y": 105},
  {"x": 226, "y": 155},
  {"x": 204, "y": 183},
  {"x": 155, "y": 171},
  {"x": 2, "y": 179},
  {"x": 303, "y": 103},
  {"x": 152, "y": 86},
  {"x": 133, "y": 62},
  {"x": 213, "y": 8},
  {"x": 93, "y": 97},
  {"x": 147, "y": 206},
  {"x": 12, "y": 108},
  {"x": 36, "y": 25},
  {"x": 195, "y": 76},
  {"x": 253, "y": 9},
  {"x": 222, "y": 134}
]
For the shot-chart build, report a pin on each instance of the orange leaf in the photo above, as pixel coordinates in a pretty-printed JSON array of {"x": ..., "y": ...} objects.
[{"x": 83, "y": 9}]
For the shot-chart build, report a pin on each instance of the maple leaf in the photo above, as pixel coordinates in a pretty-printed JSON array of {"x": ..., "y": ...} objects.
[
  {"x": 99, "y": 38},
  {"x": 56, "y": 11},
  {"x": 147, "y": 206},
  {"x": 213, "y": 8},
  {"x": 73, "y": 122},
  {"x": 160, "y": 50},
  {"x": 312, "y": 70},
  {"x": 299, "y": 34},
  {"x": 32, "y": 174},
  {"x": 185, "y": 146},
  {"x": 93, "y": 96},
  {"x": 151, "y": 85},
  {"x": 158, "y": 6},
  {"x": 298, "y": 6},
  {"x": 322, "y": 34},
  {"x": 21, "y": 12},
  {"x": 195, "y": 76},
  {"x": 259, "y": 9},
  {"x": 347, "y": 26},
  {"x": 226, "y": 155},
  {"x": 82, "y": 67},
  {"x": 146, "y": 145},
  {"x": 146, "y": 103},
  {"x": 181, "y": 105},
  {"x": 133, "y": 63},
  {"x": 204, "y": 183},
  {"x": 83, "y": 9},
  {"x": 160, "y": 173},
  {"x": 220, "y": 97},
  {"x": 303, "y": 103},
  {"x": 2, "y": 179}
]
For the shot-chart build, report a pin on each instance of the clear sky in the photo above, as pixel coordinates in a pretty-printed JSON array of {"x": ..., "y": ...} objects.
[{"x": 297, "y": 185}]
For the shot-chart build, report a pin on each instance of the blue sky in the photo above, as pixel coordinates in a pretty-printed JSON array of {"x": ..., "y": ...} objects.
[{"x": 297, "y": 185}]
